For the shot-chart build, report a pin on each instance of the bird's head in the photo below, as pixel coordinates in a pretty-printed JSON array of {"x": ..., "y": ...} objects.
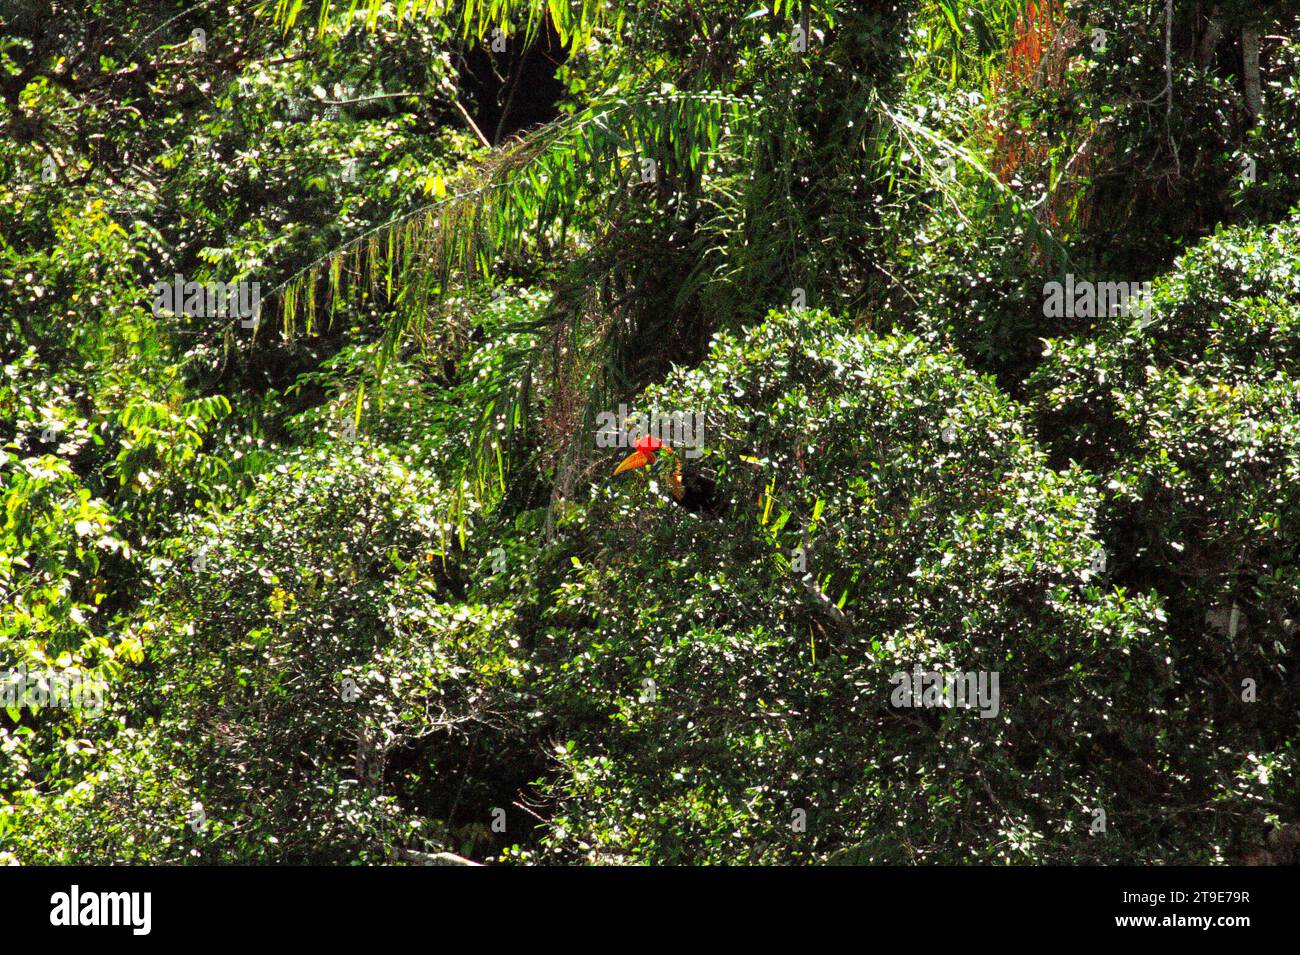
[{"x": 647, "y": 448}]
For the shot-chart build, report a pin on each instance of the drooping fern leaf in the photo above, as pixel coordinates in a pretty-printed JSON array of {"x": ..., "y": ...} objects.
[{"x": 536, "y": 189}]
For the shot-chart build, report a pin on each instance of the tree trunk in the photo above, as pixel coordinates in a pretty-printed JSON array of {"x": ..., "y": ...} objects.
[
  {"x": 1250, "y": 76},
  {"x": 1209, "y": 39}
]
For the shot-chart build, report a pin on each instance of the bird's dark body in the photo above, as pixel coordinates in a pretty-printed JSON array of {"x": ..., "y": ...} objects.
[{"x": 697, "y": 493}]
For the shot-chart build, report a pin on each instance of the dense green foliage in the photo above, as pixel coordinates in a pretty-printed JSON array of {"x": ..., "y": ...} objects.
[{"x": 352, "y": 580}]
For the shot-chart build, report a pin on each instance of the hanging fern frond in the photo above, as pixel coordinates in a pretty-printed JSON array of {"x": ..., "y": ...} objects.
[{"x": 573, "y": 173}]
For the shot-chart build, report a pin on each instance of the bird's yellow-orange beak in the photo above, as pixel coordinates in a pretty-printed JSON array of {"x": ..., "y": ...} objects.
[{"x": 637, "y": 459}]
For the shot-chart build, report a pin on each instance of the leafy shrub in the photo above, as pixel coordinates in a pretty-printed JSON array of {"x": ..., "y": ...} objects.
[
  {"x": 129, "y": 804},
  {"x": 1192, "y": 417},
  {"x": 300, "y": 648}
]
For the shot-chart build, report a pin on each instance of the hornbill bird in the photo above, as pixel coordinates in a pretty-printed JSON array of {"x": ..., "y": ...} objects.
[{"x": 693, "y": 491}]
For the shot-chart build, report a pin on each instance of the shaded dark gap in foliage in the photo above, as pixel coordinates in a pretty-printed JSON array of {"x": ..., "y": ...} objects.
[{"x": 515, "y": 89}]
